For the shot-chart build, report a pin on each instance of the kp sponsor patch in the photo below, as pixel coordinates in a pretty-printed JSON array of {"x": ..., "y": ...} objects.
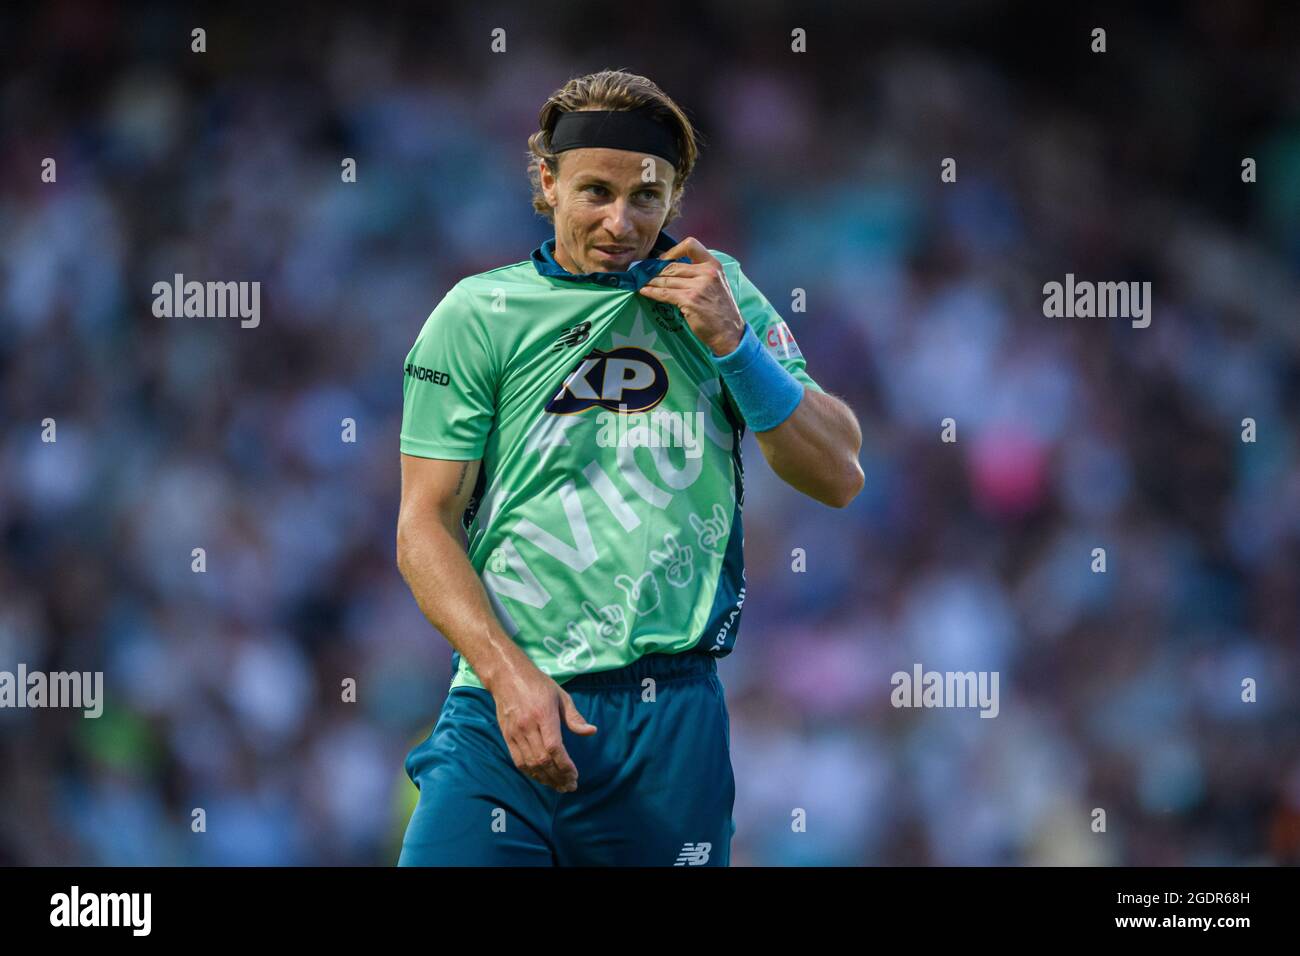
[{"x": 624, "y": 379}]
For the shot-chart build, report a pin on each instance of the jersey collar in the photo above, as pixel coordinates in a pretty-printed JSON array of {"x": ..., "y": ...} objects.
[{"x": 637, "y": 274}]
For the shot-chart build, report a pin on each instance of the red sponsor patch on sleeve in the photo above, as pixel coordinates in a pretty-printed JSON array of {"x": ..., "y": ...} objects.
[{"x": 780, "y": 342}]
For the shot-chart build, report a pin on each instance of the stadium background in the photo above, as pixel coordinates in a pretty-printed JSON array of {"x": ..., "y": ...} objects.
[{"x": 820, "y": 171}]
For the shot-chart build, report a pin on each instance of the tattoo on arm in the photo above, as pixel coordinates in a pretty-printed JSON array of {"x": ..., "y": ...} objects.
[{"x": 460, "y": 482}]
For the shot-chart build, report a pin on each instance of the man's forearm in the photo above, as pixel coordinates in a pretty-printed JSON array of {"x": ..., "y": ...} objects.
[
  {"x": 816, "y": 449},
  {"x": 433, "y": 561}
]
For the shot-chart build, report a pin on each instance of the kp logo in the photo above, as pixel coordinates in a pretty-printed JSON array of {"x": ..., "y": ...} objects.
[
  {"x": 624, "y": 379},
  {"x": 694, "y": 854}
]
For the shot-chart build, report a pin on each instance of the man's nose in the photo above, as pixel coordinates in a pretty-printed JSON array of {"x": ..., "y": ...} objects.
[{"x": 618, "y": 223}]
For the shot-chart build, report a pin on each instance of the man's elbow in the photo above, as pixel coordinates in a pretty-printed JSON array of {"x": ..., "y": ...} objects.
[
  {"x": 847, "y": 489},
  {"x": 403, "y": 555},
  {"x": 407, "y": 537},
  {"x": 416, "y": 536}
]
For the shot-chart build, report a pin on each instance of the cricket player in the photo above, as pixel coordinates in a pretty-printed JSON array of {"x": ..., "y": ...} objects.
[{"x": 578, "y": 416}]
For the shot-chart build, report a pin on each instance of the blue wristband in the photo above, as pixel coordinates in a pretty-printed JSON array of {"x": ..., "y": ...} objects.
[{"x": 765, "y": 392}]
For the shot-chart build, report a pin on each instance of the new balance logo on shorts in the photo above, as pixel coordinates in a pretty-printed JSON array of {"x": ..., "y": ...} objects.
[{"x": 694, "y": 854}]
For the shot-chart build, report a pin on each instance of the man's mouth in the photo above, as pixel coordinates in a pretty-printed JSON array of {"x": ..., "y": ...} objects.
[{"x": 614, "y": 252}]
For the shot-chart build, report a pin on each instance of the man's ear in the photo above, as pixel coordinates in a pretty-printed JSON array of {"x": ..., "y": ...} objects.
[{"x": 549, "y": 190}]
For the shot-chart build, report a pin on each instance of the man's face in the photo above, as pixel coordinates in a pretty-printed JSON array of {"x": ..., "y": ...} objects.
[{"x": 608, "y": 209}]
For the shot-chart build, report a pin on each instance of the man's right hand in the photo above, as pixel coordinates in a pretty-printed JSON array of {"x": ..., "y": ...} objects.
[
  {"x": 431, "y": 556},
  {"x": 530, "y": 708}
]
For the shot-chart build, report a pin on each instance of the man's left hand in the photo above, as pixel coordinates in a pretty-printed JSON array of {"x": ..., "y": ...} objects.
[{"x": 700, "y": 290}]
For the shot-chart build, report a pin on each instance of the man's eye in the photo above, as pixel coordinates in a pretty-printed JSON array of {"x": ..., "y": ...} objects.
[{"x": 593, "y": 186}]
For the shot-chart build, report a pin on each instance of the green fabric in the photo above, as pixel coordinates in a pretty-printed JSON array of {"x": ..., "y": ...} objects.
[{"x": 592, "y": 553}]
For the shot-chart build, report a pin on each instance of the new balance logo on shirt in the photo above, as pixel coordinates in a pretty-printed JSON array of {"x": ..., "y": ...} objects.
[
  {"x": 694, "y": 854},
  {"x": 572, "y": 336}
]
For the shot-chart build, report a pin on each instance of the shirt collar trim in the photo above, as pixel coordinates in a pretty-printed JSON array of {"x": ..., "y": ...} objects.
[{"x": 636, "y": 275}]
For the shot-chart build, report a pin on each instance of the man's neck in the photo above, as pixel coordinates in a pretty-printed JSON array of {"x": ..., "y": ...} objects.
[{"x": 562, "y": 257}]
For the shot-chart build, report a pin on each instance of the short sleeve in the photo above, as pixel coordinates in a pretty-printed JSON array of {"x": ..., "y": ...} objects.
[
  {"x": 772, "y": 331},
  {"x": 450, "y": 384}
]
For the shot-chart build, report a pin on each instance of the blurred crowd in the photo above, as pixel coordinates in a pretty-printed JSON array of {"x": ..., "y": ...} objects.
[{"x": 1120, "y": 691}]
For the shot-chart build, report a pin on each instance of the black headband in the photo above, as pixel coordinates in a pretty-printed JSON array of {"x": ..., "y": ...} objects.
[{"x": 635, "y": 130}]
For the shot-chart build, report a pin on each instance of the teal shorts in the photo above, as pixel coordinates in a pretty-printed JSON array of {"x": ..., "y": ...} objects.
[{"x": 655, "y": 782}]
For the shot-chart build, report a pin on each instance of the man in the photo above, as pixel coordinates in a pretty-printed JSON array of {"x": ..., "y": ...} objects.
[{"x": 579, "y": 415}]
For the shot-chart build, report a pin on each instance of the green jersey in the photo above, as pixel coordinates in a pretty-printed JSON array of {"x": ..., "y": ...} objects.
[{"x": 606, "y": 520}]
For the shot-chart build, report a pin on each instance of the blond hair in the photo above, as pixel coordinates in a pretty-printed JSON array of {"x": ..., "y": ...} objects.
[{"x": 610, "y": 90}]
